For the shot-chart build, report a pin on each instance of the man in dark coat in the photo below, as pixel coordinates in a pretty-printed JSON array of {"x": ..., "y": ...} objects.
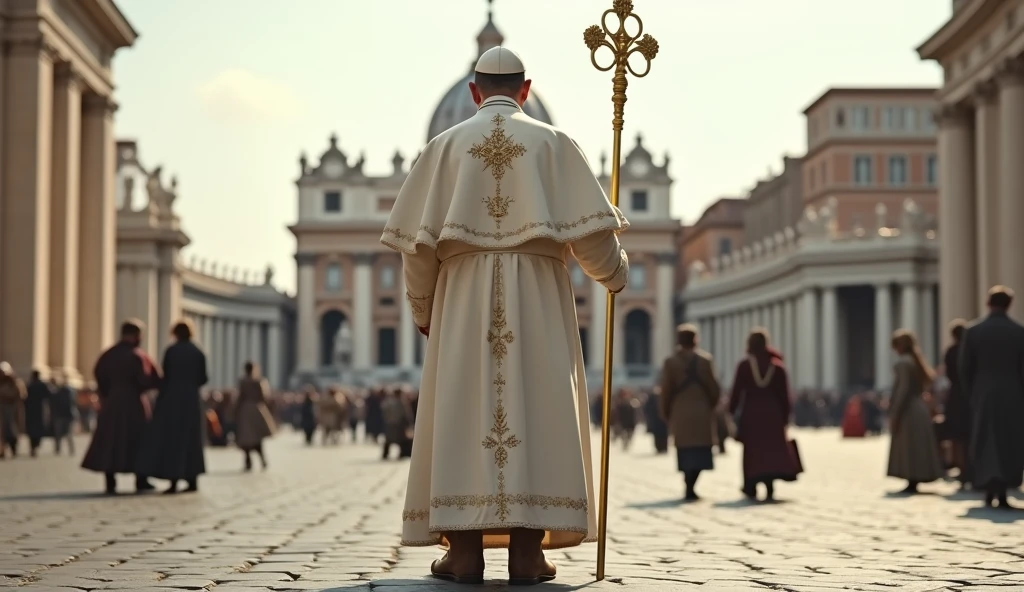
[
  {"x": 992, "y": 374},
  {"x": 174, "y": 448},
  {"x": 36, "y": 404},
  {"x": 124, "y": 373},
  {"x": 957, "y": 412}
]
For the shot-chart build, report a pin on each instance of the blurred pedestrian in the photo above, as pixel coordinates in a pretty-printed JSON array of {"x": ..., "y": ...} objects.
[
  {"x": 37, "y": 404},
  {"x": 62, "y": 414},
  {"x": 12, "y": 409},
  {"x": 124, "y": 374},
  {"x": 690, "y": 394},
  {"x": 175, "y": 450},
  {"x": 914, "y": 450},
  {"x": 254, "y": 420}
]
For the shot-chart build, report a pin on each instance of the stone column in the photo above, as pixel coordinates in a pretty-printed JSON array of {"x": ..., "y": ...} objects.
[
  {"x": 66, "y": 188},
  {"x": 957, "y": 244},
  {"x": 829, "y": 339},
  {"x": 308, "y": 335},
  {"x": 1011, "y": 168},
  {"x": 145, "y": 308},
  {"x": 98, "y": 231},
  {"x": 25, "y": 195},
  {"x": 256, "y": 344},
  {"x": 664, "y": 318},
  {"x": 245, "y": 343},
  {"x": 206, "y": 335},
  {"x": 362, "y": 304},
  {"x": 215, "y": 357},
  {"x": 910, "y": 317},
  {"x": 775, "y": 324},
  {"x": 169, "y": 311},
  {"x": 928, "y": 329},
  {"x": 274, "y": 358},
  {"x": 788, "y": 322},
  {"x": 406, "y": 331},
  {"x": 598, "y": 302},
  {"x": 987, "y": 164},
  {"x": 233, "y": 367},
  {"x": 883, "y": 337},
  {"x": 807, "y": 344}
]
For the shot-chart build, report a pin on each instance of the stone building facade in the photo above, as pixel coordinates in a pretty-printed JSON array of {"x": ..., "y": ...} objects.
[
  {"x": 238, "y": 316},
  {"x": 57, "y": 220},
  {"x": 859, "y": 263},
  {"x": 981, "y": 139}
]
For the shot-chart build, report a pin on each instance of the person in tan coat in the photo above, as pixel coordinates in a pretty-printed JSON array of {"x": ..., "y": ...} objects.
[
  {"x": 914, "y": 451},
  {"x": 689, "y": 396},
  {"x": 254, "y": 419}
]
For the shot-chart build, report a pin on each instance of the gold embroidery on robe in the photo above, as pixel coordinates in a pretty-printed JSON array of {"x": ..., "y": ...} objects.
[
  {"x": 418, "y": 303},
  {"x": 497, "y": 151},
  {"x": 556, "y": 226}
]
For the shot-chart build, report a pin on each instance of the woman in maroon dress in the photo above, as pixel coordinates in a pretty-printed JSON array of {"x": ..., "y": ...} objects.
[{"x": 760, "y": 402}]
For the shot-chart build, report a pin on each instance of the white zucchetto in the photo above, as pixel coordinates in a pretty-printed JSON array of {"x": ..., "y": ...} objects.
[{"x": 500, "y": 60}]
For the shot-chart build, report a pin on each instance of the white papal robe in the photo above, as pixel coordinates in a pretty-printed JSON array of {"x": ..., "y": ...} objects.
[{"x": 486, "y": 220}]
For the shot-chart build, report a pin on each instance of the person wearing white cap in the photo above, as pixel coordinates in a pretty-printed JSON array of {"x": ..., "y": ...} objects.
[{"x": 486, "y": 221}]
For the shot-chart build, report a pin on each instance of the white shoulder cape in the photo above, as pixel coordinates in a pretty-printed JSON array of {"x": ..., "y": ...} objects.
[{"x": 498, "y": 180}]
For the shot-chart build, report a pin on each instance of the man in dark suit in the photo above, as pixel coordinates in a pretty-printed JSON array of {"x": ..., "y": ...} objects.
[{"x": 992, "y": 375}]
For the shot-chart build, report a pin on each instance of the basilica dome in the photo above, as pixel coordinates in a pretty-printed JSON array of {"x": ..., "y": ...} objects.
[{"x": 457, "y": 104}]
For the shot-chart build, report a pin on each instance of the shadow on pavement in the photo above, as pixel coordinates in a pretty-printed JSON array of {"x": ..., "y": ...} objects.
[
  {"x": 430, "y": 584},
  {"x": 995, "y": 515},
  {"x": 743, "y": 503},
  {"x": 671, "y": 503},
  {"x": 61, "y": 496}
]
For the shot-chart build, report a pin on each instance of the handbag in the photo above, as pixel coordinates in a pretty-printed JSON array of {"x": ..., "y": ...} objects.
[{"x": 794, "y": 451}]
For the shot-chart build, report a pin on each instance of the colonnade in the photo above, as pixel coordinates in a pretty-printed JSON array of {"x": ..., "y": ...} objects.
[
  {"x": 981, "y": 148},
  {"x": 809, "y": 326},
  {"x": 230, "y": 342},
  {"x": 57, "y": 225}
]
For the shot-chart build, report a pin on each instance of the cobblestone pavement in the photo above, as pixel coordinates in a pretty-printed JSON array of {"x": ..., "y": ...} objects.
[{"x": 328, "y": 519}]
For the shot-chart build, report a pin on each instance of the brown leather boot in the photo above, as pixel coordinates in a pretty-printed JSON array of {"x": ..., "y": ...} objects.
[
  {"x": 527, "y": 565},
  {"x": 464, "y": 561}
]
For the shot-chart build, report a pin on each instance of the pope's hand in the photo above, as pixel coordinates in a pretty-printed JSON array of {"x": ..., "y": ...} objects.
[{"x": 425, "y": 330}]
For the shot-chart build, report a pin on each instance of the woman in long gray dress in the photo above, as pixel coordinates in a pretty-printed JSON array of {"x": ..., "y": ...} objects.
[
  {"x": 254, "y": 422},
  {"x": 914, "y": 451}
]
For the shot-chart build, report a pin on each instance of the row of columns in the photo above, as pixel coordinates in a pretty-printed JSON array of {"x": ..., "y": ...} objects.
[
  {"x": 361, "y": 320},
  {"x": 57, "y": 217},
  {"x": 809, "y": 329},
  {"x": 981, "y": 148},
  {"x": 230, "y": 342}
]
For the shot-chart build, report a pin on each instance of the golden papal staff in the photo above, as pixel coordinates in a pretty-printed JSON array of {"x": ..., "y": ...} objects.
[{"x": 623, "y": 46}]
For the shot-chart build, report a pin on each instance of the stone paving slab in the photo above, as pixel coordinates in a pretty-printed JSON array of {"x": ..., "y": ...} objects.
[{"x": 328, "y": 518}]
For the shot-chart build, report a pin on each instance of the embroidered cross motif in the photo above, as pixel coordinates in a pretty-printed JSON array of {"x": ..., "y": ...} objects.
[{"x": 497, "y": 151}]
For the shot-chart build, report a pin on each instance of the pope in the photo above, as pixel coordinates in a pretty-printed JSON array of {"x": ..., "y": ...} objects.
[{"x": 486, "y": 221}]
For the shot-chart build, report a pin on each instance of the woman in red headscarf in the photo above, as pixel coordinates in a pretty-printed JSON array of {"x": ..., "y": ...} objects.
[{"x": 760, "y": 401}]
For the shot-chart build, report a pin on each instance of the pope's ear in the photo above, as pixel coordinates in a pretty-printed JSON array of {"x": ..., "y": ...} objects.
[
  {"x": 475, "y": 92},
  {"x": 524, "y": 93}
]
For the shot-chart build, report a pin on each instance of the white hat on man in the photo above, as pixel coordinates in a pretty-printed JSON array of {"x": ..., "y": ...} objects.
[{"x": 500, "y": 60}]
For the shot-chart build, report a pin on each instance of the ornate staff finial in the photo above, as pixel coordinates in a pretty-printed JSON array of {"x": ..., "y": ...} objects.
[{"x": 623, "y": 46}]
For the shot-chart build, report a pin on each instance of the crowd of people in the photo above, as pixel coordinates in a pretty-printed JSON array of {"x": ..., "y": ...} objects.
[{"x": 929, "y": 414}]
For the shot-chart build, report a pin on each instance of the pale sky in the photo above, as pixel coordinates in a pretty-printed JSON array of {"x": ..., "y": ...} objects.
[{"x": 227, "y": 93}]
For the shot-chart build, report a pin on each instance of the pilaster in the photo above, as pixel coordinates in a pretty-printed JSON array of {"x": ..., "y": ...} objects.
[
  {"x": 362, "y": 304},
  {"x": 97, "y": 231},
  {"x": 957, "y": 247},
  {"x": 64, "y": 221},
  {"x": 987, "y": 163},
  {"x": 883, "y": 337},
  {"x": 1011, "y": 151},
  {"x": 25, "y": 205},
  {"x": 307, "y": 333}
]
